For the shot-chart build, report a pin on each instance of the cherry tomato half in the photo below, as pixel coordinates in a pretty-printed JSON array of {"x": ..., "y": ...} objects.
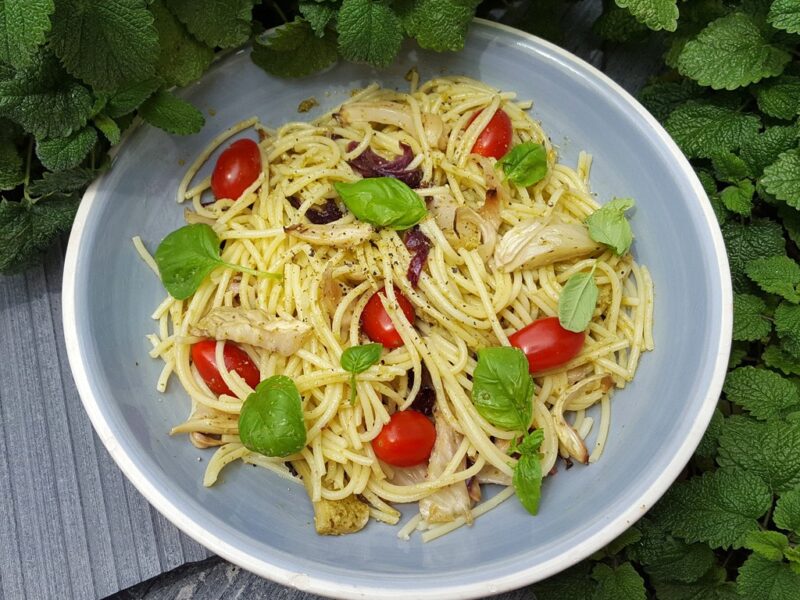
[
  {"x": 375, "y": 321},
  {"x": 495, "y": 139},
  {"x": 547, "y": 344},
  {"x": 406, "y": 440},
  {"x": 237, "y": 167},
  {"x": 236, "y": 359}
]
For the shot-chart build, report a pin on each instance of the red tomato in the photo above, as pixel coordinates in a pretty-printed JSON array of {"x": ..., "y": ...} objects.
[
  {"x": 547, "y": 344},
  {"x": 236, "y": 359},
  {"x": 237, "y": 167},
  {"x": 375, "y": 321},
  {"x": 495, "y": 139},
  {"x": 406, "y": 440}
]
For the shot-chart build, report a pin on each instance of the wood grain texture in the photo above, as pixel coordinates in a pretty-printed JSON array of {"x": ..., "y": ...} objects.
[{"x": 71, "y": 526}]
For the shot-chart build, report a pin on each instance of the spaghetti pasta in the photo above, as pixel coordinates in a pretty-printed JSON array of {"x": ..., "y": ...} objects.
[{"x": 465, "y": 300}]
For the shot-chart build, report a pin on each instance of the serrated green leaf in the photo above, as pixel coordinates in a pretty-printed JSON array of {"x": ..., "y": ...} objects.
[
  {"x": 182, "y": 59},
  {"x": 779, "y": 97},
  {"x": 661, "y": 98},
  {"x": 11, "y": 166},
  {"x": 705, "y": 130},
  {"x": 749, "y": 320},
  {"x": 787, "y": 511},
  {"x": 439, "y": 25},
  {"x": 776, "y": 358},
  {"x": 718, "y": 508},
  {"x": 105, "y": 42},
  {"x": 656, "y": 14},
  {"x": 731, "y": 52},
  {"x": 761, "y": 151},
  {"x": 776, "y": 275},
  {"x": 294, "y": 51},
  {"x": 738, "y": 353},
  {"x": 369, "y": 31},
  {"x": 769, "y": 450},
  {"x": 785, "y": 14},
  {"x": 761, "y": 237},
  {"x": 769, "y": 544},
  {"x": 223, "y": 23},
  {"x": 739, "y": 198},
  {"x": 619, "y": 25},
  {"x": 730, "y": 167},
  {"x": 706, "y": 180},
  {"x": 45, "y": 100},
  {"x": 765, "y": 394},
  {"x": 128, "y": 98},
  {"x": 318, "y": 14},
  {"x": 58, "y": 154},
  {"x": 708, "y": 445},
  {"x": 620, "y": 583},
  {"x": 26, "y": 230},
  {"x": 572, "y": 584},
  {"x": 630, "y": 536},
  {"x": 711, "y": 586},
  {"x": 172, "y": 114},
  {"x": 782, "y": 178},
  {"x": 63, "y": 182},
  {"x": 665, "y": 558},
  {"x": 790, "y": 219},
  {"x": 108, "y": 127},
  {"x": 762, "y": 579},
  {"x": 787, "y": 326},
  {"x": 23, "y": 25}
]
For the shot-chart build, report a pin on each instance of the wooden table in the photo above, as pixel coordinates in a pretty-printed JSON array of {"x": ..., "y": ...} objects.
[{"x": 71, "y": 526}]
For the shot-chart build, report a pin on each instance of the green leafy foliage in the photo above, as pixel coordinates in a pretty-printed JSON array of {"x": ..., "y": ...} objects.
[
  {"x": 23, "y": 25},
  {"x": 769, "y": 544},
  {"x": 705, "y": 130},
  {"x": 527, "y": 479},
  {"x": 271, "y": 421},
  {"x": 171, "y": 114},
  {"x": 785, "y": 14},
  {"x": 787, "y": 326},
  {"x": 787, "y": 511},
  {"x": 656, "y": 14},
  {"x": 439, "y": 25},
  {"x": 357, "y": 359},
  {"x": 749, "y": 321},
  {"x": 761, "y": 237},
  {"x": 525, "y": 163},
  {"x": 369, "y": 31},
  {"x": 761, "y": 150},
  {"x": 782, "y": 178},
  {"x": 609, "y": 226},
  {"x": 11, "y": 166},
  {"x": 730, "y": 53},
  {"x": 182, "y": 58},
  {"x": 383, "y": 202},
  {"x": 223, "y": 23},
  {"x": 577, "y": 302},
  {"x": 764, "y": 393},
  {"x": 502, "y": 388},
  {"x": 618, "y": 583},
  {"x": 738, "y": 198},
  {"x": 779, "y": 97},
  {"x": 58, "y": 154},
  {"x": 776, "y": 275},
  {"x": 764, "y": 579},
  {"x": 294, "y": 51}
]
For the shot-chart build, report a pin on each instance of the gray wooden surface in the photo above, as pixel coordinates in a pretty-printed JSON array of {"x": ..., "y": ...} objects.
[{"x": 71, "y": 526}]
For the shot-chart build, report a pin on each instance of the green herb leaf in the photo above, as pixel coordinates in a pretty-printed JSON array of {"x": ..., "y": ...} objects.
[
  {"x": 294, "y": 51},
  {"x": 712, "y": 586},
  {"x": 785, "y": 14},
  {"x": 776, "y": 275},
  {"x": 182, "y": 59},
  {"x": 749, "y": 321},
  {"x": 663, "y": 97},
  {"x": 357, "y": 359},
  {"x": 776, "y": 358},
  {"x": 502, "y": 388},
  {"x": 730, "y": 167},
  {"x": 705, "y": 130},
  {"x": 710, "y": 442},
  {"x": 787, "y": 325},
  {"x": 369, "y": 31},
  {"x": 45, "y": 100},
  {"x": 172, "y": 114},
  {"x": 609, "y": 226},
  {"x": 105, "y": 42},
  {"x": 656, "y": 14},
  {"x": 223, "y": 23},
  {"x": 718, "y": 508},
  {"x": 765, "y": 394},
  {"x": 27, "y": 230},
  {"x": 318, "y": 14},
  {"x": 619, "y": 25},
  {"x": 128, "y": 98},
  {"x": 780, "y": 97},
  {"x": 11, "y": 163},
  {"x": 769, "y": 544},
  {"x": 188, "y": 255},
  {"x": 109, "y": 128},
  {"x": 70, "y": 180},
  {"x": 731, "y": 52},
  {"x": 782, "y": 178},
  {"x": 271, "y": 421},
  {"x": 762, "y": 579},
  {"x": 739, "y": 198},
  {"x": 787, "y": 511},
  {"x": 624, "y": 540},
  {"x": 525, "y": 164},
  {"x": 770, "y": 450},
  {"x": 383, "y": 201},
  {"x": 527, "y": 479},
  {"x": 439, "y": 25},
  {"x": 58, "y": 154},
  {"x": 760, "y": 151},
  {"x": 577, "y": 302},
  {"x": 620, "y": 583},
  {"x": 23, "y": 25},
  {"x": 761, "y": 237},
  {"x": 667, "y": 558}
]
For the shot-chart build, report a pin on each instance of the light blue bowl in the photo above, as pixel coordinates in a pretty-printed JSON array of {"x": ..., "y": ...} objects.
[{"x": 264, "y": 524}]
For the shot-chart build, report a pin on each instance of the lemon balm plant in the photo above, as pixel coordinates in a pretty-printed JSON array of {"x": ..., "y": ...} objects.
[{"x": 75, "y": 74}]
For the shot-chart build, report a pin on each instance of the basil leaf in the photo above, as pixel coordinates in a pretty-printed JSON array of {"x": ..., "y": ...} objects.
[
  {"x": 609, "y": 226},
  {"x": 271, "y": 421},
  {"x": 383, "y": 201},
  {"x": 502, "y": 388},
  {"x": 357, "y": 359},
  {"x": 577, "y": 302},
  {"x": 525, "y": 164},
  {"x": 188, "y": 255},
  {"x": 527, "y": 479}
]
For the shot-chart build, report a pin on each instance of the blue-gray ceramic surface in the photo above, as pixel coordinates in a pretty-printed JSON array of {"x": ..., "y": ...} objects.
[{"x": 264, "y": 523}]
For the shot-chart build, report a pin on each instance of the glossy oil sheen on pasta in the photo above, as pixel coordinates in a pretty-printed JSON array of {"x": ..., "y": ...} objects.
[{"x": 471, "y": 295}]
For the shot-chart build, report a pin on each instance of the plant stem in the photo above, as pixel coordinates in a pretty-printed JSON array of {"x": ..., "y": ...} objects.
[{"x": 28, "y": 172}]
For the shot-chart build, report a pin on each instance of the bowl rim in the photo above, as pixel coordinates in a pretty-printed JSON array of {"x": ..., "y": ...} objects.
[{"x": 489, "y": 586}]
